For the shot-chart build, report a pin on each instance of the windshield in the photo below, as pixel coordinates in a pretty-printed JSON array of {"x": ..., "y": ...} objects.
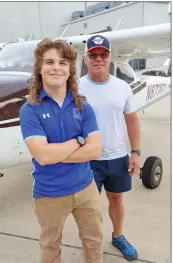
[
  {"x": 125, "y": 73},
  {"x": 18, "y": 57}
]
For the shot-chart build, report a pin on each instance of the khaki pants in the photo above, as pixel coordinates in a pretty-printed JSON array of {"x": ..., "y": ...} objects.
[{"x": 52, "y": 213}]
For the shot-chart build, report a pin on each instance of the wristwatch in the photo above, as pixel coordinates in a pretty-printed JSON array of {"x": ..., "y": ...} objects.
[
  {"x": 137, "y": 151},
  {"x": 80, "y": 140}
]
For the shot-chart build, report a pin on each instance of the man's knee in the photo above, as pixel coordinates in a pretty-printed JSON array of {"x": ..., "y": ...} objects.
[{"x": 115, "y": 198}]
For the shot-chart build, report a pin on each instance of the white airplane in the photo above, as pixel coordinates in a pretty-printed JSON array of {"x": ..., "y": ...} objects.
[
  {"x": 16, "y": 63},
  {"x": 2, "y": 45}
]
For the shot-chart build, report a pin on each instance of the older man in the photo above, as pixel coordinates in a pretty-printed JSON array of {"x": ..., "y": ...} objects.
[{"x": 112, "y": 100}]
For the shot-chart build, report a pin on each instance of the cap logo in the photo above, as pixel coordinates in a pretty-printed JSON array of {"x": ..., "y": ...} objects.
[{"x": 98, "y": 40}]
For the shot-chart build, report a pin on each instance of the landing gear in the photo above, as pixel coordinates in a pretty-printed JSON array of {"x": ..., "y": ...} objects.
[{"x": 151, "y": 172}]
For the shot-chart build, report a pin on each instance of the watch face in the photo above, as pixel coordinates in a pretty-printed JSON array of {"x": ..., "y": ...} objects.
[
  {"x": 81, "y": 140},
  {"x": 138, "y": 152}
]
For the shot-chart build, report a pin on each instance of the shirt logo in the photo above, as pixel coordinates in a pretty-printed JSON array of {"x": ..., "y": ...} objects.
[
  {"x": 98, "y": 40},
  {"x": 47, "y": 115},
  {"x": 76, "y": 114}
]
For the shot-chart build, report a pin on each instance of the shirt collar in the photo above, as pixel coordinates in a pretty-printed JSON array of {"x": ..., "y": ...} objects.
[
  {"x": 69, "y": 96},
  {"x": 43, "y": 94},
  {"x": 68, "y": 99}
]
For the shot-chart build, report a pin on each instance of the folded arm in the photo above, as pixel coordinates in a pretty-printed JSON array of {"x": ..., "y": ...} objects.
[
  {"x": 50, "y": 153},
  {"x": 90, "y": 151}
]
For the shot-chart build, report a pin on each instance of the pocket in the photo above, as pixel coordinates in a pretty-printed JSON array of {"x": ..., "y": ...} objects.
[{"x": 126, "y": 161}]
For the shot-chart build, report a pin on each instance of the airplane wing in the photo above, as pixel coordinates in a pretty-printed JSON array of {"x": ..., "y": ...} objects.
[{"x": 127, "y": 44}]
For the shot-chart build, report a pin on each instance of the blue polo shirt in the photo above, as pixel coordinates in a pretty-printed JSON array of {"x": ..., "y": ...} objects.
[{"x": 58, "y": 125}]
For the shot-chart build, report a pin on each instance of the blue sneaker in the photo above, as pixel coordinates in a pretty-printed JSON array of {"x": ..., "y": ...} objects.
[{"x": 128, "y": 251}]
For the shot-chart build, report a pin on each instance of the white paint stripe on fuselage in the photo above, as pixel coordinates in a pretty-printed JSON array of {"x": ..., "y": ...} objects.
[{"x": 9, "y": 121}]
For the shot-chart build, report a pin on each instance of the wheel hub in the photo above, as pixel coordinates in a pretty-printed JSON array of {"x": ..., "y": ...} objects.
[{"x": 157, "y": 173}]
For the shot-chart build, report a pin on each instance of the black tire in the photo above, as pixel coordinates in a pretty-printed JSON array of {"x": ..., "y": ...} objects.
[{"x": 152, "y": 172}]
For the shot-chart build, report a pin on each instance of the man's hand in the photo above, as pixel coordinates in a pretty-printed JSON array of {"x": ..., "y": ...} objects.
[{"x": 134, "y": 164}]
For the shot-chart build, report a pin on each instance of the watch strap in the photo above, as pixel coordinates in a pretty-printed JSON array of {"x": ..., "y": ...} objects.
[{"x": 136, "y": 151}]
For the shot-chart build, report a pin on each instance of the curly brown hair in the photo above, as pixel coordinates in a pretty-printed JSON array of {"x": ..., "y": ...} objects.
[{"x": 67, "y": 52}]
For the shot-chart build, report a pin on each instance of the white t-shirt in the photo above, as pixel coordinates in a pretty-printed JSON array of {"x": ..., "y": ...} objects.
[{"x": 110, "y": 100}]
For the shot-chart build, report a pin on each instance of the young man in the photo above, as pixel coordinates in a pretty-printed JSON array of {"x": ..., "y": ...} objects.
[
  {"x": 112, "y": 100},
  {"x": 61, "y": 133}
]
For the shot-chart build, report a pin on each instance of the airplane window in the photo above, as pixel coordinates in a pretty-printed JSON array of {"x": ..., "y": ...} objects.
[
  {"x": 169, "y": 71},
  {"x": 17, "y": 57},
  {"x": 125, "y": 73},
  {"x": 111, "y": 68},
  {"x": 84, "y": 69},
  {"x": 138, "y": 64}
]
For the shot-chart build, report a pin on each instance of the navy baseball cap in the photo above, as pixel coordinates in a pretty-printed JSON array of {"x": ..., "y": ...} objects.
[{"x": 96, "y": 42}]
